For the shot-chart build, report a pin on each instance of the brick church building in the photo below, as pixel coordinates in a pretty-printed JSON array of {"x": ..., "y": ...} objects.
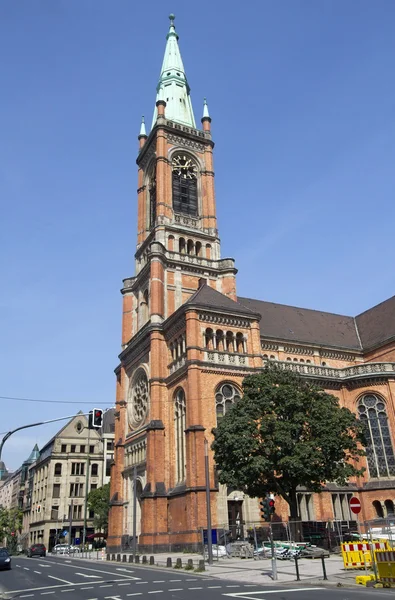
[{"x": 188, "y": 340}]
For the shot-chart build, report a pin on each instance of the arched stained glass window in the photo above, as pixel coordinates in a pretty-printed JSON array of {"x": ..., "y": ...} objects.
[
  {"x": 179, "y": 431},
  {"x": 226, "y": 395},
  {"x": 379, "y": 450}
]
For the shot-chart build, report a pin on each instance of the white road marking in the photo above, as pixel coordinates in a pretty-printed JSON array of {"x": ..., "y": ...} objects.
[
  {"x": 59, "y": 579},
  {"x": 140, "y": 582},
  {"x": 159, "y": 581},
  {"x": 71, "y": 590},
  {"x": 195, "y": 588},
  {"x": 191, "y": 579},
  {"x": 46, "y": 593},
  {"x": 174, "y": 590},
  {"x": 127, "y": 570},
  {"x": 124, "y": 583},
  {"x": 111, "y": 597},
  {"x": 135, "y": 594},
  {"x": 46, "y": 566},
  {"x": 88, "y": 588},
  {"x": 214, "y": 587},
  {"x": 174, "y": 580},
  {"x": 263, "y": 593},
  {"x": 38, "y": 572},
  {"x": 231, "y": 586},
  {"x": 98, "y": 571},
  {"x": 106, "y": 585},
  {"x": 26, "y": 568},
  {"x": 86, "y": 575},
  {"x": 156, "y": 592},
  {"x": 26, "y": 596}
]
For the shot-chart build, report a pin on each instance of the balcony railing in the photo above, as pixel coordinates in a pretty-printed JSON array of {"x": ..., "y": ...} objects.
[
  {"x": 226, "y": 358},
  {"x": 377, "y": 369}
]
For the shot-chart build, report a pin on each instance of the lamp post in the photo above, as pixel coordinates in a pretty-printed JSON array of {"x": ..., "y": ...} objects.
[{"x": 208, "y": 504}]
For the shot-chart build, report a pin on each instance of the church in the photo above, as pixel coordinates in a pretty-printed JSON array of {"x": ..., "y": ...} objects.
[{"x": 189, "y": 339}]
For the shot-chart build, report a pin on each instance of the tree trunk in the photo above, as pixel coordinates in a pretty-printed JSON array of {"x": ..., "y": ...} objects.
[{"x": 295, "y": 524}]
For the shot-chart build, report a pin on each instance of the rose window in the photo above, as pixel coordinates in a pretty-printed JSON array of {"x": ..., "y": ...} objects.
[{"x": 138, "y": 399}]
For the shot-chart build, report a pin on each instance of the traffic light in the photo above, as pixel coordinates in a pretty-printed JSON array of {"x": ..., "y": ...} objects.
[
  {"x": 95, "y": 418},
  {"x": 267, "y": 508}
]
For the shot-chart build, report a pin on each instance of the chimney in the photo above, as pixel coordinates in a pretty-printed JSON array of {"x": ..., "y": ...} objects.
[{"x": 202, "y": 282}]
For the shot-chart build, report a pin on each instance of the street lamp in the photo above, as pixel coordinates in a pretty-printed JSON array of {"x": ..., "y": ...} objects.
[{"x": 208, "y": 504}]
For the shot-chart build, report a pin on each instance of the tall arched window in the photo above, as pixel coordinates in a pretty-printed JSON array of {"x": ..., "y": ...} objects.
[
  {"x": 179, "y": 432},
  {"x": 225, "y": 396},
  {"x": 379, "y": 450},
  {"x": 184, "y": 185}
]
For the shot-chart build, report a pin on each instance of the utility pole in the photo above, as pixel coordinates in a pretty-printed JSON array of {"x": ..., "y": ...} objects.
[
  {"x": 88, "y": 456},
  {"x": 208, "y": 504},
  {"x": 70, "y": 519}
]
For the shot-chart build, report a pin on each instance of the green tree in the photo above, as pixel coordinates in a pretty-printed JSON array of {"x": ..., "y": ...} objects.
[
  {"x": 285, "y": 432},
  {"x": 10, "y": 526},
  {"x": 99, "y": 502}
]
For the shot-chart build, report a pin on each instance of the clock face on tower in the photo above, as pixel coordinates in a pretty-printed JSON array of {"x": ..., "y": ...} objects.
[{"x": 184, "y": 167}]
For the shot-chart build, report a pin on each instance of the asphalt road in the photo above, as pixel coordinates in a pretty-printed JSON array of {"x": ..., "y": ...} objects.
[{"x": 64, "y": 578}]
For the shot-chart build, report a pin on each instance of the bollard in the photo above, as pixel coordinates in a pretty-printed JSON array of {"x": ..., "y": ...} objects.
[
  {"x": 137, "y": 559},
  {"x": 108, "y": 557},
  {"x": 144, "y": 560},
  {"x": 123, "y": 557},
  {"x": 202, "y": 565},
  {"x": 118, "y": 558},
  {"x": 151, "y": 560},
  {"x": 130, "y": 558},
  {"x": 297, "y": 569},
  {"x": 323, "y": 568},
  {"x": 178, "y": 563},
  {"x": 169, "y": 562},
  {"x": 113, "y": 557}
]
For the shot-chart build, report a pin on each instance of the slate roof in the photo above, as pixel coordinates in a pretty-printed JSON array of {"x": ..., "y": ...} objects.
[
  {"x": 293, "y": 324},
  {"x": 207, "y": 297},
  {"x": 377, "y": 325},
  {"x": 304, "y": 325}
]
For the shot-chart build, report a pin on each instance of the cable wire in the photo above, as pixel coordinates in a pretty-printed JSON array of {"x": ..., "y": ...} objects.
[{"x": 92, "y": 403}]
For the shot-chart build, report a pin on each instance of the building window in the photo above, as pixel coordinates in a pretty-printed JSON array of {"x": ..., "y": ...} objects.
[
  {"x": 82, "y": 449},
  {"x": 306, "y": 507},
  {"x": 76, "y": 490},
  {"x": 91, "y": 514},
  {"x": 55, "y": 513},
  {"x": 341, "y": 508},
  {"x": 379, "y": 450},
  {"x": 78, "y": 468},
  {"x": 63, "y": 448},
  {"x": 91, "y": 449},
  {"x": 93, "y": 486},
  {"x": 378, "y": 508},
  {"x": 184, "y": 185},
  {"x": 94, "y": 470},
  {"x": 56, "y": 490},
  {"x": 108, "y": 467},
  {"x": 179, "y": 431},
  {"x": 389, "y": 506},
  {"x": 77, "y": 512},
  {"x": 58, "y": 470},
  {"x": 110, "y": 445},
  {"x": 225, "y": 396},
  {"x": 72, "y": 448},
  {"x": 152, "y": 202}
]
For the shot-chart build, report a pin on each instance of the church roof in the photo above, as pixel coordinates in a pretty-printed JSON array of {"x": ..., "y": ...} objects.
[
  {"x": 303, "y": 325},
  {"x": 377, "y": 325},
  {"x": 293, "y": 324},
  {"x": 207, "y": 297},
  {"x": 173, "y": 85}
]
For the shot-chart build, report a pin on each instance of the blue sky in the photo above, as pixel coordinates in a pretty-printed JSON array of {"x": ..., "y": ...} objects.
[{"x": 302, "y": 98}]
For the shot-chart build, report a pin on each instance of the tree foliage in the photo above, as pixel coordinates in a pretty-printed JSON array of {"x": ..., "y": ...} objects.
[
  {"x": 11, "y": 520},
  {"x": 99, "y": 502},
  {"x": 284, "y": 433}
]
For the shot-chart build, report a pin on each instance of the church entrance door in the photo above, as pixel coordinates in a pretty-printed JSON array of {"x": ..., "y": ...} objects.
[{"x": 235, "y": 519}]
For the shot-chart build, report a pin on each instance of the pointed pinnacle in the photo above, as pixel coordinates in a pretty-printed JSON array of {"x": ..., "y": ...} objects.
[
  {"x": 205, "y": 109},
  {"x": 142, "y": 128}
]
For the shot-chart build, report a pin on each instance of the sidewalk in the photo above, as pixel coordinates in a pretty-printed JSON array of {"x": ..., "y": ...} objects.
[{"x": 260, "y": 571}]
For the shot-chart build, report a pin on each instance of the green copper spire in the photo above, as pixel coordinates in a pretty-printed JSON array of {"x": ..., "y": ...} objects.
[{"x": 173, "y": 86}]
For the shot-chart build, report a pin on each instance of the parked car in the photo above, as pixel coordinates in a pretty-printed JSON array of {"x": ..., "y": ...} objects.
[
  {"x": 65, "y": 549},
  {"x": 5, "y": 559},
  {"x": 36, "y": 550}
]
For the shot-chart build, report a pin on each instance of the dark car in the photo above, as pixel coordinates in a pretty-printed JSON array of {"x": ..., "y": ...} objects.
[
  {"x": 5, "y": 559},
  {"x": 36, "y": 550}
]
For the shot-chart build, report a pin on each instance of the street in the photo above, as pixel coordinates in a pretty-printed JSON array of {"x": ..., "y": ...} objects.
[{"x": 56, "y": 577}]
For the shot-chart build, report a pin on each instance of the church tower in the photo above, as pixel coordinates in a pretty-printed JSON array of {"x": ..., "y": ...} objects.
[{"x": 161, "y": 416}]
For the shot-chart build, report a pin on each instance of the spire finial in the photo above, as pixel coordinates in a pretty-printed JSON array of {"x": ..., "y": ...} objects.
[
  {"x": 205, "y": 109},
  {"x": 172, "y": 17},
  {"x": 142, "y": 127}
]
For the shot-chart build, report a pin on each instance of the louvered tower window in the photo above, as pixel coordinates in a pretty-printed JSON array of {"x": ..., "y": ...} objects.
[
  {"x": 152, "y": 203},
  {"x": 184, "y": 185},
  {"x": 379, "y": 450}
]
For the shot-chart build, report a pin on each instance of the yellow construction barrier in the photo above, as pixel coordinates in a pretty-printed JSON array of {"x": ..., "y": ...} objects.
[
  {"x": 363, "y": 579},
  {"x": 385, "y": 561},
  {"x": 357, "y": 555}
]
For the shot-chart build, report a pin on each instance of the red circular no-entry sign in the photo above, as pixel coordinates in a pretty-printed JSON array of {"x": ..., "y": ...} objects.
[{"x": 355, "y": 505}]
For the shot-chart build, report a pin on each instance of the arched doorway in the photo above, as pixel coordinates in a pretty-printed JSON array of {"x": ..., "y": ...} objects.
[{"x": 378, "y": 508}]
